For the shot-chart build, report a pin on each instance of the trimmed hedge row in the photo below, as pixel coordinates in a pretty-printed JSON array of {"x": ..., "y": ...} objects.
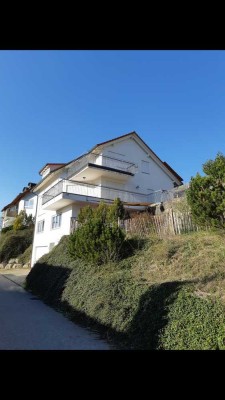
[{"x": 128, "y": 310}]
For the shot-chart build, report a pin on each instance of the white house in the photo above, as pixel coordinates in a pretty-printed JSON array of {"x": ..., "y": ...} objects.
[
  {"x": 26, "y": 200},
  {"x": 123, "y": 167}
]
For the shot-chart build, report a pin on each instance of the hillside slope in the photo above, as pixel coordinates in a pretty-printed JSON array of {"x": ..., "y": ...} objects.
[{"x": 168, "y": 295}]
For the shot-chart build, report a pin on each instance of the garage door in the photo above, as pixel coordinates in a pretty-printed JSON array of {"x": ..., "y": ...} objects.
[{"x": 40, "y": 251}]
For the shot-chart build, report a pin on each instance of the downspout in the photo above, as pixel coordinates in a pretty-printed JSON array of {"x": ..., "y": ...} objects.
[{"x": 34, "y": 227}]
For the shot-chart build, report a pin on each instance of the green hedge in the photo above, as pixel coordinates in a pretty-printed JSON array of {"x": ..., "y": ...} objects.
[
  {"x": 13, "y": 244},
  {"x": 194, "y": 323},
  {"x": 127, "y": 309},
  {"x": 25, "y": 258},
  {"x": 99, "y": 239},
  {"x": 7, "y": 228}
]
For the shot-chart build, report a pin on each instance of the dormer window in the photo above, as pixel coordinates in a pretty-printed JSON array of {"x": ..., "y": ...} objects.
[
  {"x": 49, "y": 167},
  {"x": 45, "y": 172}
]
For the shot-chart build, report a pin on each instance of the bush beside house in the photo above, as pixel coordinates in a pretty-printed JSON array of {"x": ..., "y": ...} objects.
[
  {"x": 99, "y": 239},
  {"x": 16, "y": 242}
]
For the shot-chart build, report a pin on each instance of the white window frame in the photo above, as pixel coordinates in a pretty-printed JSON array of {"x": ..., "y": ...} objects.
[
  {"x": 40, "y": 226},
  {"x": 30, "y": 203},
  {"x": 56, "y": 221}
]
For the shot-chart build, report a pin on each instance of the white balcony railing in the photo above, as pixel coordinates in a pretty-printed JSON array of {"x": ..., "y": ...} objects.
[
  {"x": 115, "y": 163},
  {"x": 103, "y": 161},
  {"x": 103, "y": 192},
  {"x": 159, "y": 196},
  {"x": 52, "y": 192},
  {"x": 109, "y": 193}
]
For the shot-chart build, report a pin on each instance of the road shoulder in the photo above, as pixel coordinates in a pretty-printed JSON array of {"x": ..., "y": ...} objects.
[{"x": 17, "y": 276}]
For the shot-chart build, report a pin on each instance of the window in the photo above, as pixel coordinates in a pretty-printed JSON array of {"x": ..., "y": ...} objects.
[
  {"x": 29, "y": 203},
  {"x": 145, "y": 167},
  {"x": 56, "y": 221},
  {"x": 15, "y": 208},
  {"x": 40, "y": 226}
]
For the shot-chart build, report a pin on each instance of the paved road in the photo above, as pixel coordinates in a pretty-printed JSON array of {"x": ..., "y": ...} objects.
[{"x": 28, "y": 324}]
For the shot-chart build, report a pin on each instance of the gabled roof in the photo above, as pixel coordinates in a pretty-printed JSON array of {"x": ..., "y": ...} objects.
[
  {"x": 61, "y": 165},
  {"x": 51, "y": 164},
  {"x": 116, "y": 138},
  {"x": 51, "y": 173},
  {"x": 135, "y": 133}
]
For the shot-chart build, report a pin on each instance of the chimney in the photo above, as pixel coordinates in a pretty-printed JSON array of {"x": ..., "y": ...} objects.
[{"x": 31, "y": 185}]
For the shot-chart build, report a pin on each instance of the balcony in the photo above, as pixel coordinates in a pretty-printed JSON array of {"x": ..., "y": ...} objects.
[
  {"x": 92, "y": 166},
  {"x": 10, "y": 213},
  {"x": 159, "y": 196},
  {"x": 67, "y": 192}
]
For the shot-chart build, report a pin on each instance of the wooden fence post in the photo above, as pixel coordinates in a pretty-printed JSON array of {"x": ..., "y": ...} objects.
[{"x": 173, "y": 224}]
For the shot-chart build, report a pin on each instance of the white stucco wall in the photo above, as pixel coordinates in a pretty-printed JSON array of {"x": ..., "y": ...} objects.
[
  {"x": 29, "y": 210},
  {"x": 129, "y": 150},
  {"x": 49, "y": 235}
]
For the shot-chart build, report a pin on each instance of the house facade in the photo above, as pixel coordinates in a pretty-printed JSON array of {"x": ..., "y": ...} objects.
[
  {"x": 123, "y": 167},
  {"x": 26, "y": 200}
]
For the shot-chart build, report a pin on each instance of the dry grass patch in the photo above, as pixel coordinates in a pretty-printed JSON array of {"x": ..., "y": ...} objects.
[{"x": 198, "y": 257}]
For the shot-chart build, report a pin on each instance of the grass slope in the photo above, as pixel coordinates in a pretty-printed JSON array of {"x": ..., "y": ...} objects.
[{"x": 168, "y": 295}]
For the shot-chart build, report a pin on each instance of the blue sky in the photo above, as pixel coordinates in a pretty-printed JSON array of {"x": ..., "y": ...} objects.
[{"x": 56, "y": 105}]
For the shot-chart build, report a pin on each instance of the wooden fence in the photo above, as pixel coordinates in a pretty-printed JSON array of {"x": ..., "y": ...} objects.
[{"x": 167, "y": 224}]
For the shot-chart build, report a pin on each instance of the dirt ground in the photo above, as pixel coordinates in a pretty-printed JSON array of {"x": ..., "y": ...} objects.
[{"x": 16, "y": 275}]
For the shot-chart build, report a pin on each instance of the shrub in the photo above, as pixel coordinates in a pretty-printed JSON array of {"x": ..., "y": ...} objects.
[
  {"x": 99, "y": 239},
  {"x": 6, "y": 229},
  {"x": 117, "y": 210},
  {"x": 206, "y": 195},
  {"x": 85, "y": 214},
  {"x": 13, "y": 244},
  {"x": 23, "y": 220},
  {"x": 25, "y": 258}
]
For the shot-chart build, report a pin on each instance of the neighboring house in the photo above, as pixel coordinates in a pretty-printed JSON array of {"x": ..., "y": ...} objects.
[
  {"x": 123, "y": 167},
  {"x": 25, "y": 200}
]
